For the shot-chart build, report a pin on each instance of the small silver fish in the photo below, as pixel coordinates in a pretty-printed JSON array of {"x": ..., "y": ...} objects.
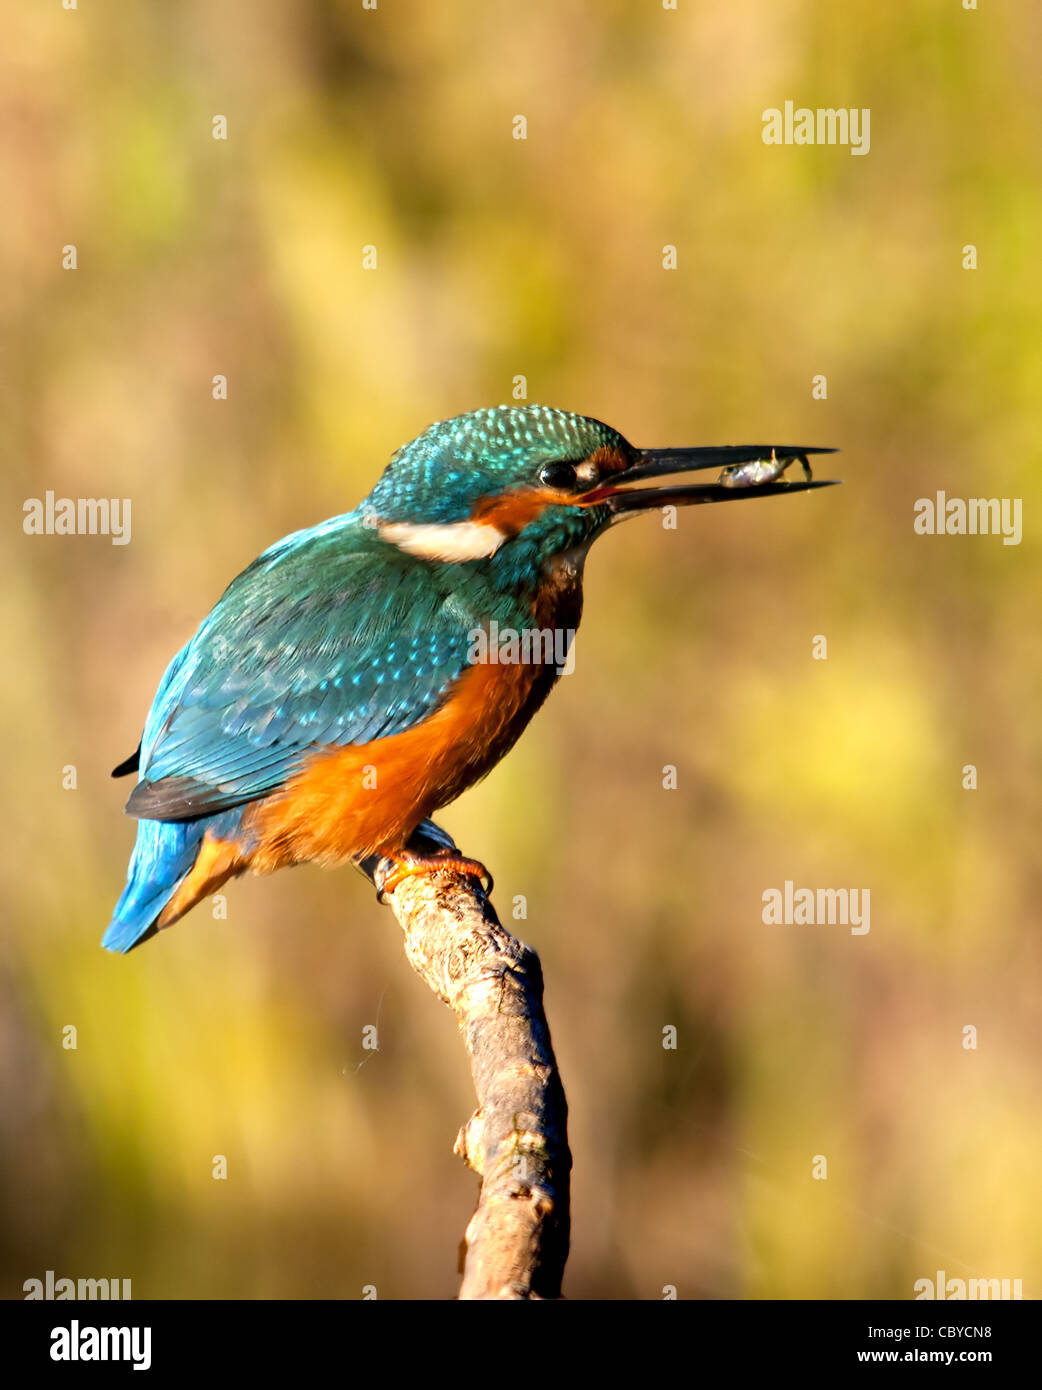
[{"x": 760, "y": 471}]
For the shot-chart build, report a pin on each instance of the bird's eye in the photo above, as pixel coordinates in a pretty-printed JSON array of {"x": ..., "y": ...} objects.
[{"x": 558, "y": 475}]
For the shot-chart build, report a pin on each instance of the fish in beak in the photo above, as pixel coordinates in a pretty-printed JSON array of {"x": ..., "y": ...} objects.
[{"x": 745, "y": 470}]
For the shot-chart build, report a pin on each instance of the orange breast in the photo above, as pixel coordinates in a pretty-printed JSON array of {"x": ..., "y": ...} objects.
[{"x": 354, "y": 801}]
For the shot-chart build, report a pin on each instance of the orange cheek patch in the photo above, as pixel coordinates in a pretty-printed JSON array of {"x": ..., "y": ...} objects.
[
  {"x": 608, "y": 460},
  {"x": 512, "y": 511}
]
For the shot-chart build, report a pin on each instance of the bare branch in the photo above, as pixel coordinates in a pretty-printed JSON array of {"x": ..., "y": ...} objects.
[{"x": 516, "y": 1140}]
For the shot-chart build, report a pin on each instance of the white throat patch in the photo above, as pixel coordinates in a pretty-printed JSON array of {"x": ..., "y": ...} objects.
[{"x": 458, "y": 540}]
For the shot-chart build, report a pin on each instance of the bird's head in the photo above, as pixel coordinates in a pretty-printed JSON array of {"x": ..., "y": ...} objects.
[{"x": 470, "y": 486}]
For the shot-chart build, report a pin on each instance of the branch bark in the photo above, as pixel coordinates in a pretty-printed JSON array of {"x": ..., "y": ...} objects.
[{"x": 516, "y": 1243}]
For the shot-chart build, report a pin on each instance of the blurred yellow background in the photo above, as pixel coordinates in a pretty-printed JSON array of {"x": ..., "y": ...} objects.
[{"x": 542, "y": 257}]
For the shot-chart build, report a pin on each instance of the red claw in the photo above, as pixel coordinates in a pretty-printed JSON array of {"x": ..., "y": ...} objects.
[{"x": 407, "y": 864}]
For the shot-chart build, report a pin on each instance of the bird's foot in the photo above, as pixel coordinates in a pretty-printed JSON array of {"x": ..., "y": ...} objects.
[{"x": 406, "y": 864}]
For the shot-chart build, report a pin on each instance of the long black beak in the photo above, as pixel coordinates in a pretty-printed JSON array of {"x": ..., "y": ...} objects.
[{"x": 746, "y": 470}]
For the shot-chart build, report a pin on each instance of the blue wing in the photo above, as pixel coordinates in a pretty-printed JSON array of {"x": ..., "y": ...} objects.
[{"x": 330, "y": 638}]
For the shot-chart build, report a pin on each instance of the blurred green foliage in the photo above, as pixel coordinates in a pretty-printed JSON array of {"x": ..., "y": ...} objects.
[{"x": 541, "y": 257}]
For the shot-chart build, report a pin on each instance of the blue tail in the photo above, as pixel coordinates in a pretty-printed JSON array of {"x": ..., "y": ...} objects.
[
  {"x": 165, "y": 851},
  {"x": 163, "y": 855}
]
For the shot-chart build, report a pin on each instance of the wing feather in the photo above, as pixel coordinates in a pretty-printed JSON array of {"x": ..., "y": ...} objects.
[{"x": 329, "y": 639}]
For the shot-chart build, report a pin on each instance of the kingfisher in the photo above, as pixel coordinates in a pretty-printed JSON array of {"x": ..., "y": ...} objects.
[{"x": 331, "y": 700}]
